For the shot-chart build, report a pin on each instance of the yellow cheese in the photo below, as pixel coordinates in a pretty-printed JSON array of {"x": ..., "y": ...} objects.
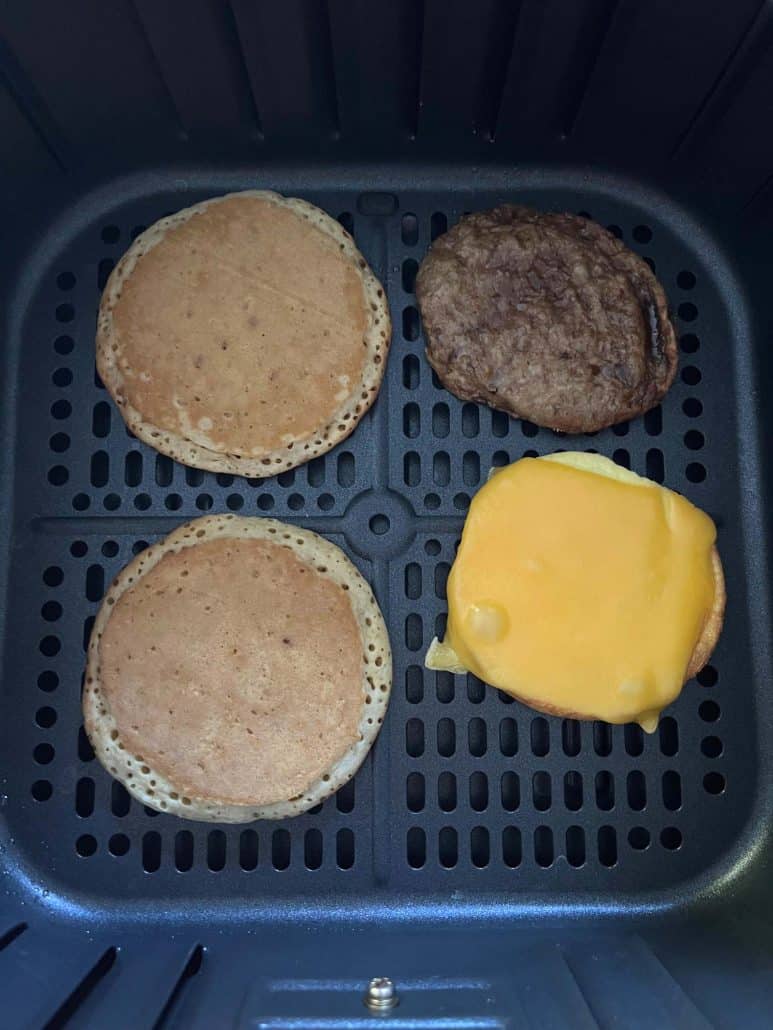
[{"x": 581, "y": 587}]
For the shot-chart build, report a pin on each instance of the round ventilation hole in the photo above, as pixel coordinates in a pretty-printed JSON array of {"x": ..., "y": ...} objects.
[
  {"x": 42, "y": 790},
  {"x": 45, "y": 717},
  {"x": 687, "y": 312},
  {"x": 708, "y": 676},
  {"x": 51, "y": 611},
  {"x": 639, "y": 838},
  {"x": 671, "y": 838},
  {"x": 711, "y": 747},
  {"x": 118, "y": 844},
  {"x": 685, "y": 280},
  {"x": 714, "y": 783},
  {"x": 43, "y": 754},
  {"x": 65, "y": 280},
  {"x": 61, "y": 409},
  {"x": 48, "y": 681},
  {"x": 86, "y": 845},
  {"x": 709, "y": 711},
  {"x": 53, "y": 576},
  {"x": 64, "y": 344}
]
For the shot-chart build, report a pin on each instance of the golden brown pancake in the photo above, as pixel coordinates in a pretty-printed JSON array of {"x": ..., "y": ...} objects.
[
  {"x": 239, "y": 669},
  {"x": 245, "y": 334}
]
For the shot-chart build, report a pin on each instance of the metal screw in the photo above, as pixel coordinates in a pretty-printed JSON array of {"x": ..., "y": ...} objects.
[{"x": 381, "y": 994}]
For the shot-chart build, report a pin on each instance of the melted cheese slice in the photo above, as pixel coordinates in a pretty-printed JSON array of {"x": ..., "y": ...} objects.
[{"x": 581, "y": 587}]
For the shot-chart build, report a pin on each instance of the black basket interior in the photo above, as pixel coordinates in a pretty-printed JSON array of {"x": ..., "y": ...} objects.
[{"x": 476, "y": 828}]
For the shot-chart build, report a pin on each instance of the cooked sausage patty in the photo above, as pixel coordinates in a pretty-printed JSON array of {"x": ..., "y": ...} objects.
[{"x": 546, "y": 316}]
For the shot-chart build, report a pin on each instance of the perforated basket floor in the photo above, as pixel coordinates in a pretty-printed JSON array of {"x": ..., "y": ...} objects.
[{"x": 467, "y": 797}]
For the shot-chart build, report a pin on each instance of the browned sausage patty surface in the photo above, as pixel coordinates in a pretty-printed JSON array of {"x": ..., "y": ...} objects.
[{"x": 546, "y": 316}]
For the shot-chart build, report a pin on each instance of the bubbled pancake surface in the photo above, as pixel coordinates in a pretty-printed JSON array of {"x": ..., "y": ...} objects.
[
  {"x": 241, "y": 668},
  {"x": 244, "y": 334}
]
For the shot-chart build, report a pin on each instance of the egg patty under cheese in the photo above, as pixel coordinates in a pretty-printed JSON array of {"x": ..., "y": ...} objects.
[{"x": 581, "y": 588}]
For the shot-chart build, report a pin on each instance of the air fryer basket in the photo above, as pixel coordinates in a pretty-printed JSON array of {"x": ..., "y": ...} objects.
[{"x": 503, "y": 867}]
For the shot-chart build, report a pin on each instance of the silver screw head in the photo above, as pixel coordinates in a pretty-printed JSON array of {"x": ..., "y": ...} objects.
[{"x": 381, "y": 994}]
